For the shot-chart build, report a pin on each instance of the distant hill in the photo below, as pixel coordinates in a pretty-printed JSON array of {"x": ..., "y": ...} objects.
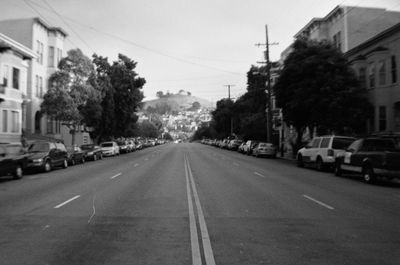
[{"x": 178, "y": 102}]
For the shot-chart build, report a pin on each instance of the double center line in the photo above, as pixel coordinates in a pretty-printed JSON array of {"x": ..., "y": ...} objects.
[{"x": 205, "y": 238}]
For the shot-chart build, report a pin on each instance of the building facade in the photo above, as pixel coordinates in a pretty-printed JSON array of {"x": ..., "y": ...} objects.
[
  {"x": 15, "y": 59},
  {"x": 48, "y": 44},
  {"x": 376, "y": 63},
  {"x": 348, "y": 26}
]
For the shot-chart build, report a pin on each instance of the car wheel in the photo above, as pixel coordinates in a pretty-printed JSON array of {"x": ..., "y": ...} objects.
[
  {"x": 65, "y": 163},
  {"x": 47, "y": 166},
  {"x": 18, "y": 172},
  {"x": 73, "y": 162},
  {"x": 368, "y": 174},
  {"x": 319, "y": 164},
  {"x": 338, "y": 169},
  {"x": 300, "y": 162},
  {"x": 101, "y": 156},
  {"x": 94, "y": 157}
]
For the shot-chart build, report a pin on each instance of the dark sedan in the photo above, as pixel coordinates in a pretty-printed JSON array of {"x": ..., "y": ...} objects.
[
  {"x": 75, "y": 155},
  {"x": 13, "y": 160},
  {"x": 92, "y": 151}
]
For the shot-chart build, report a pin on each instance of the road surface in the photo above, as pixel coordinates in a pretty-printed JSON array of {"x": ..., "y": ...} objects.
[{"x": 195, "y": 204}]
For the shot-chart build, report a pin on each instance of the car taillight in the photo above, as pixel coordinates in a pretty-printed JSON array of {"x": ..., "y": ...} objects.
[{"x": 330, "y": 152}]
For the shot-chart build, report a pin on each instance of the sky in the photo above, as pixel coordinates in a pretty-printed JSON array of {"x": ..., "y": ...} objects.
[{"x": 200, "y": 46}]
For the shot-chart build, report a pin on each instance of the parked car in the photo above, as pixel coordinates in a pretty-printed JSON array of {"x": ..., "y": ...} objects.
[
  {"x": 321, "y": 151},
  {"x": 248, "y": 148},
  {"x": 265, "y": 149},
  {"x": 75, "y": 155},
  {"x": 92, "y": 152},
  {"x": 371, "y": 157},
  {"x": 241, "y": 146},
  {"x": 109, "y": 148},
  {"x": 234, "y": 144},
  {"x": 13, "y": 160},
  {"x": 46, "y": 155},
  {"x": 123, "y": 146},
  {"x": 131, "y": 145}
]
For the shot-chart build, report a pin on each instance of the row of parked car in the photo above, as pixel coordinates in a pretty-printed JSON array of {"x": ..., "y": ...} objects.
[
  {"x": 371, "y": 157},
  {"x": 250, "y": 147},
  {"x": 44, "y": 155}
]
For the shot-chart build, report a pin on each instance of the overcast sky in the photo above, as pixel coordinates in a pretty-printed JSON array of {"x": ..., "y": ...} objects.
[{"x": 195, "y": 45}]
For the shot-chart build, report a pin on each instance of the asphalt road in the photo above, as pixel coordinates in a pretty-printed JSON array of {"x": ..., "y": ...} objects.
[{"x": 194, "y": 204}]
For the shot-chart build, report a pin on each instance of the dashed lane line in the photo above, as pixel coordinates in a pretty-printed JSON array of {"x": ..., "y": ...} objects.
[
  {"x": 67, "y": 201},
  {"x": 116, "y": 175},
  {"x": 319, "y": 202},
  {"x": 259, "y": 174}
]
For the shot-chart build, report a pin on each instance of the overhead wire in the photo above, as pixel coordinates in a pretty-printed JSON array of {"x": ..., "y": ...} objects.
[{"x": 139, "y": 45}]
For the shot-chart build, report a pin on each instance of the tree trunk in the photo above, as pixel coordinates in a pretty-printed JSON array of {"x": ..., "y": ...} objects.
[{"x": 73, "y": 132}]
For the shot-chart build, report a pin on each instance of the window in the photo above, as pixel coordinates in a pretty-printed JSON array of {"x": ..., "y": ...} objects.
[
  {"x": 394, "y": 69},
  {"x": 382, "y": 72},
  {"x": 5, "y": 121},
  {"x": 15, "y": 78},
  {"x": 15, "y": 121},
  {"x": 49, "y": 125},
  {"x": 362, "y": 77},
  {"x": 325, "y": 142},
  {"x": 382, "y": 118},
  {"x": 59, "y": 55},
  {"x": 337, "y": 40},
  {"x": 4, "y": 74},
  {"x": 41, "y": 86},
  {"x": 371, "y": 75},
  {"x": 38, "y": 51},
  {"x": 315, "y": 143},
  {"x": 37, "y": 85},
  {"x": 51, "y": 56}
]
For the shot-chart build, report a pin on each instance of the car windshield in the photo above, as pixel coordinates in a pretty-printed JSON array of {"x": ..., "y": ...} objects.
[
  {"x": 107, "y": 145},
  {"x": 39, "y": 147}
]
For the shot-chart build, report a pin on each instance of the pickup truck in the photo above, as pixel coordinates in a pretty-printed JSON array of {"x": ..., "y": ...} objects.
[{"x": 371, "y": 157}]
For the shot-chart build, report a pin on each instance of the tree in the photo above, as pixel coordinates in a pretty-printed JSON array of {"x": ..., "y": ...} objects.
[
  {"x": 147, "y": 129},
  {"x": 317, "y": 88},
  {"x": 128, "y": 96},
  {"x": 222, "y": 117},
  {"x": 70, "y": 92},
  {"x": 160, "y": 94}
]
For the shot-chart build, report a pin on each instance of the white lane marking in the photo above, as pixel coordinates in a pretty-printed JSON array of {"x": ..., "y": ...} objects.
[
  {"x": 39, "y": 177},
  {"x": 117, "y": 175},
  {"x": 45, "y": 227},
  {"x": 67, "y": 201},
  {"x": 208, "y": 252},
  {"x": 194, "y": 240},
  {"x": 319, "y": 202},
  {"x": 235, "y": 164},
  {"x": 258, "y": 174},
  {"x": 136, "y": 165}
]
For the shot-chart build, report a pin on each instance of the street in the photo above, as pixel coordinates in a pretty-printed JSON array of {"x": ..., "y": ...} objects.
[{"x": 189, "y": 203}]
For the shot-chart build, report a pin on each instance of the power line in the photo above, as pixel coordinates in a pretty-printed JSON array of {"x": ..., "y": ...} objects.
[
  {"x": 65, "y": 22},
  {"x": 142, "y": 46}
]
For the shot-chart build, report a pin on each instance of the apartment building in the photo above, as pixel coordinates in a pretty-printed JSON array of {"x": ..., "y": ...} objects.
[
  {"x": 14, "y": 65},
  {"x": 349, "y": 26},
  {"x": 376, "y": 63},
  {"x": 48, "y": 43}
]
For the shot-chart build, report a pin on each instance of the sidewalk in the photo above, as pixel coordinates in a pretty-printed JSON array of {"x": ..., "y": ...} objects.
[{"x": 286, "y": 156}]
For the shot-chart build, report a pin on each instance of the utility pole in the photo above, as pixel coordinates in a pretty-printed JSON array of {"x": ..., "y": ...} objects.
[
  {"x": 229, "y": 96},
  {"x": 268, "y": 106}
]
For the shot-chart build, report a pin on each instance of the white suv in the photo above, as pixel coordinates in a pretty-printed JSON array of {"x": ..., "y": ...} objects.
[{"x": 322, "y": 150}]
